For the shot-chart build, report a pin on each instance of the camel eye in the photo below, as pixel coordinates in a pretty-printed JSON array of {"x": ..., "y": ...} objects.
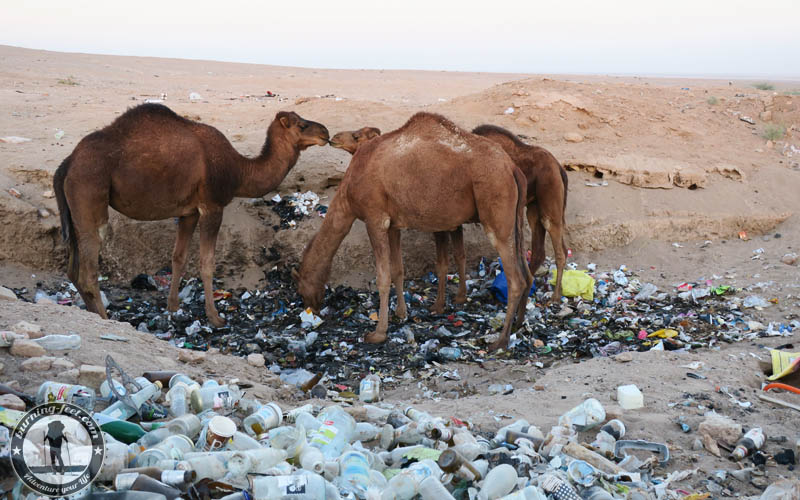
[{"x": 303, "y": 126}]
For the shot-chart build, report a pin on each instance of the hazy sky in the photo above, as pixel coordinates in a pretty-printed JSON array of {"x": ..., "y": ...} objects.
[{"x": 675, "y": 37}]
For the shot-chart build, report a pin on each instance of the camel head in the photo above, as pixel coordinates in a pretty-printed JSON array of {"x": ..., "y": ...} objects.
[
  {"x": 350, "y": 140},
  {"x": 300, "y": 132},
  {"x": 313, "y": 294}
]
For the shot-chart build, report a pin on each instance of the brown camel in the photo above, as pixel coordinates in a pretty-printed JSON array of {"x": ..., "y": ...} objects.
[
  {"x": 151, "y": 164},
  {"x": 350, "y": 140},
  {"x": 432, "y": 176},
  {"x": 546, "y": 204}
]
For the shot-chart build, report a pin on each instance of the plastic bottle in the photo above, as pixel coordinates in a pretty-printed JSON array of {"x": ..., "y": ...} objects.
[
  {"x": 114, "y": 460},
  {"x": 534, "y": 435},
  {"x": 518, "y": 425},
  {"x": 177, "y": 399},
  {"x": 122, "y": 411},
  {"x": 180, "y": 378},
  {"x": 607, "y": 437},
  {"x": 155, "y": 436},
  {"x": 451, "y": 461},
  {"x": 499, "y": 482},
  {"x": 59, "y": 342},
  {"x": 56, "y": 392},
  {"x": 527, "y": 493},
  {"x": 354, "y": 472},
  {"x": 256, "y": 461},
  {"x": 365, "y": 431},
  {"x": 432, "y": 489},
  {"x": 450, "y": 353},
  {"x": 405, "y": 485},
  {"x": 188, "y": 425},
  {"x": 215, "y": 397},
  {"x": 241, "y": 441},
  {"x": 752, "y": 441},
  {"x": 334, "y": 433},
  {"x": 142, "y": 482},
  {"x": 297, "y": 487},
  {"x": 291, "y": 415},
  {"x": 265, "y": 418},
  {"x": 557, "y": 438},
  {"x": 370, "y": 388},
  {"x": 105, "y": 389},
  {"x": 585, "y": 416},
  {"x": 308, "y": 421},
  {"x": 173, "y": 447}
]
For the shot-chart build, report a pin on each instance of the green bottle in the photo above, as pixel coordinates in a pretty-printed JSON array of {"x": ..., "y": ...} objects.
[{"x": 121, "y": 430}]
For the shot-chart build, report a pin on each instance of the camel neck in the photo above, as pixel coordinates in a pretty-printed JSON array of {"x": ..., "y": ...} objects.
[
  {"x": 317, "y": 258},
  {"x": 264, "y": 174}
]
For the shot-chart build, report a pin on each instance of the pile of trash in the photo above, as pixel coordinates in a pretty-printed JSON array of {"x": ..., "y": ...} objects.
[
  {"x": 173, "y": 437},
  {"x": 291, "y": 209},
  {"x": 610, "y": 312}
]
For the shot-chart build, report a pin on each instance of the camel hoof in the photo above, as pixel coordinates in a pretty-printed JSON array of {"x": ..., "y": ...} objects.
[
  {"x": 401, "y": 313},
  {"x": 216, "y": 321},
  {"x": 460, "y": 299},
  {"x": 437, "y": 308},
  {"x": 500, "y": 344},
  {"x": 375, "y": 337},
  {"x": 172, "y": 307}
]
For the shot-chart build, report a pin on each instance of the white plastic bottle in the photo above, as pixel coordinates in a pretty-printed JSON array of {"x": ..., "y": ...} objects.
[
  {"x": 432, "y": 489},
  {"x": 405, "y": 485},
  {"x": 296, "y": 487},
  {"x": 188, "y": 425},
  {"x": 354, "y": 472},
  {"x": 527, "y": 493},
  {"x": 498, "y": 483},
  {"x": 365, "y": 431},
  {"x": 334, "y": 433},
  {"x": 370, "y": 388},
  {"x": 585, "y": 416},
  {"x": 607, "y": 438},
  {"x": 173, "y": 447},
  {"x": 59, "y": 342},
  {"x": 265, "y": 418},
  {"x": 177, "y": 399},
  {"x": 215, "y": 397},
  {"x": 122, "y": 411}
]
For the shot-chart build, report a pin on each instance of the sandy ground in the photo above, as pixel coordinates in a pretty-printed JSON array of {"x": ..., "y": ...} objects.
[{"x": 681, "y": 169}]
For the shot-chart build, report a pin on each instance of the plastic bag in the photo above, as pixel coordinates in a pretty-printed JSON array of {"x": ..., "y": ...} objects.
[
  {"x": 575, "y": 283},
  {"x": 500, "y": 286}
]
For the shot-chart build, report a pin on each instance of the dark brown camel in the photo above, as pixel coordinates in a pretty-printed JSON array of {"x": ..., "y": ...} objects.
[
  {"x": 432, "y": 176},
  {"x": 546, "y": 204},
  {"x": 151, "y": 164}
]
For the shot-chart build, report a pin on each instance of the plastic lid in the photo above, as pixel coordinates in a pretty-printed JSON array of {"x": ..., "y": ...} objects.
[{"x": 222, "y": 426}]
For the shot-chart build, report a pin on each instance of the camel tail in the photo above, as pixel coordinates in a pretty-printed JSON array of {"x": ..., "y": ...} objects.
[
  {"x": 67, "y": 228},
  {"x": 565, "y": 181},
  {"x": 519, "y": 224}
]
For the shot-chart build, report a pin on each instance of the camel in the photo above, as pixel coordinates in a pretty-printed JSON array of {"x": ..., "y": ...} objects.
[
  {"x": 546, "y": 204},
  {"x": 350, "y": 140},
  {"x": 151, "y": 164},
  {"x": 428, "y": 175}
]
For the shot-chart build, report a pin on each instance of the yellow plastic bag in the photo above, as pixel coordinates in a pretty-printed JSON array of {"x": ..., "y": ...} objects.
[
  {"x": 575, "y": 283},
  {"x": 783, "y": 363}
]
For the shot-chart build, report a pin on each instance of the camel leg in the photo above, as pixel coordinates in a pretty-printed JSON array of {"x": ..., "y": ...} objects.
[
  {"x": 186, "y": 225},
  {"x": 441, "y": 238},
  {"x": 379, "y": 238},
  {"x": 556, "y": 231},
  {"x": 89, "y": 254},
  {"x": 537, "y": 238},
  {"x": 398, "y": 273},
  {"x": 209, "y": 229},
  {"x": 460, "y": 256}
]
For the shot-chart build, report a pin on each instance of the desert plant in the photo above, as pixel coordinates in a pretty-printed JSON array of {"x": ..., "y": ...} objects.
[
  {"x": 70, "y": 80},
  {"x": 764, "y": 86},
  {"x": 773, "y": 132},
  {"x": 713, "y": 101}
]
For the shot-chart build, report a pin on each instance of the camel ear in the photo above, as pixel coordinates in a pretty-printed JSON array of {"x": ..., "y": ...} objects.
[
  {"x": 295, "y": 275},
  {"x": 373, "y": 132},
  {"x": 285, "y": 121}
]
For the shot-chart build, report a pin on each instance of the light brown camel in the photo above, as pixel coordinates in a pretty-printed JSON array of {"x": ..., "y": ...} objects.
[
  {"x": 546, "y": 204},
  {"x": 151, "y": 164},
  {"x": 432, "y": 176},
  {"x": 350, "y": 142}
]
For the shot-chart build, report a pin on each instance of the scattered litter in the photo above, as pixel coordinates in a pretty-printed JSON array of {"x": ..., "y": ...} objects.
[{"x": 13, "y": 139}]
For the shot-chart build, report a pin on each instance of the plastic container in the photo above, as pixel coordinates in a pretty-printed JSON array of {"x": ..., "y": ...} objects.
[
  {"x": 354, "y": 472},
  {"x": 56, "y": 392},
  {"x": 607, "y": 437},
  {"x": 365, "y": 431},
  {"x": 173, "y": 447},
  {"x": 59, "y": 342},
  {"x": 241, "y": 441},
  {"x": 177, "y": 399},
  {"x": 596, "y": 493},
  {"x": 298, "y": 487},
  {"x": 405, "y": 485},
  {"x": 498, "y": 483},
  {"x": 432, "y": 489},
  {"x": 180, "y": 378},
  {"x": 105, "y": 389},
  {"x": 122, "y": 411},
  {"x": 334, "y": 433},
  {"x": 188, "y": 425},
  {"x": 115, "y": 459},
  {"x": 216, "y": 434},
  {"x": 265, "y": 418},
  {"x": 452, "y": 462},
  {"x": 630, "y": 397},
  {"x": 585, "y": 416},
  {"x": 450, "y": 353},
  {"x": 369, "y": 390},
  {"x": 752, "y": 441},
  {"x": 142, "y": 482},
  {"x": 215, "y": 397},
  {"x": 257, "y": 461}
]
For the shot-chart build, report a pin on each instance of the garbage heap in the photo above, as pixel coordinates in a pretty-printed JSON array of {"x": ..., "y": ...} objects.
[
  {"x": 168, "y": 436},
  {"x": 608, "y": 312}
]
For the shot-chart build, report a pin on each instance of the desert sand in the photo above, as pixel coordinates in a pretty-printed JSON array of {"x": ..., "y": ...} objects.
[{"x": 664, "y": 174}]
